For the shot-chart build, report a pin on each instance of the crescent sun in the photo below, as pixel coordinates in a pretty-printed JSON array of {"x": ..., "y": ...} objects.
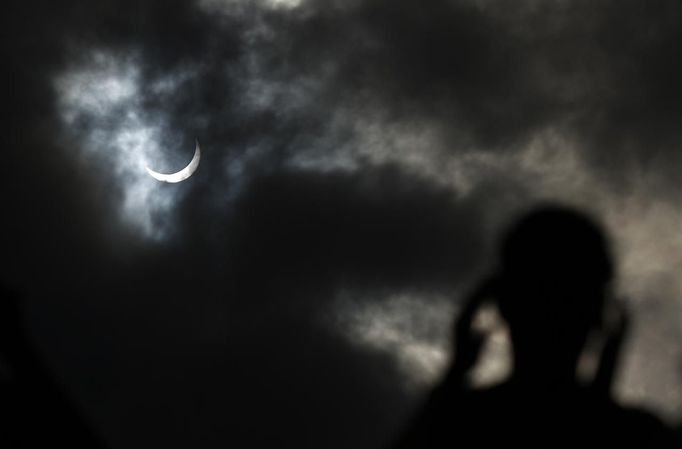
[{"x": 182, "y": 174}]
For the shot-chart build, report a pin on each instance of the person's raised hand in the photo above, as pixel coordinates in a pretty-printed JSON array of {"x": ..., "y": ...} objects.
[{"x": 469, "y": 340}]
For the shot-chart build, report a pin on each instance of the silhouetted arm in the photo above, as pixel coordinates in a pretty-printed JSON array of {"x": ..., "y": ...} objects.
[{"x": 433, "y": 423}]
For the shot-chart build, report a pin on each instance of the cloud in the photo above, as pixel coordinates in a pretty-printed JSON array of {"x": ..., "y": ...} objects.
[{"x": 358, "y": 160}]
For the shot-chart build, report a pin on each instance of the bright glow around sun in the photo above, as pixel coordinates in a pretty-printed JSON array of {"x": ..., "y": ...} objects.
[{"x": 100, "y": 103}]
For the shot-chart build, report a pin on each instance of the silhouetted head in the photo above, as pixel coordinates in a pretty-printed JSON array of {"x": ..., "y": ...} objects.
[{"x": 555, "y": 268}]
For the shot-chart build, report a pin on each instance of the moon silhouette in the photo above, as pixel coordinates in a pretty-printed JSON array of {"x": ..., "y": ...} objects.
[{"x": 182, "y": 174}]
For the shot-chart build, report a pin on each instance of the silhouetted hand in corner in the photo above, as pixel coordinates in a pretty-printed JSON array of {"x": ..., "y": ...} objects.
[{"x": 34, "y": 411}]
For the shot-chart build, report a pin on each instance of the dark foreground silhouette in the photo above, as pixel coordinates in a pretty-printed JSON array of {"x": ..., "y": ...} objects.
[
  {"x": 34, "y": 413},
  {"x": 552, "y": 290}
]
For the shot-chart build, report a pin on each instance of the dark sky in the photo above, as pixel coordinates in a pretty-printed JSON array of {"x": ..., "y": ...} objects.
[{"x": 359, "y": 158}]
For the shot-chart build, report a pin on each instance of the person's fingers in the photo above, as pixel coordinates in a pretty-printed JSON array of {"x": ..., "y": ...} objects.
[{"x": 472, "y": 304}]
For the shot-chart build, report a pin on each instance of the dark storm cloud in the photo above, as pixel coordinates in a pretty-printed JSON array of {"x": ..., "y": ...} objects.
[
  {"x": 605, "y": 72},
  {"x": 446, "y": 60},
  {"x": 612, "y": 71},
  {"x": 218, "y": 331}
]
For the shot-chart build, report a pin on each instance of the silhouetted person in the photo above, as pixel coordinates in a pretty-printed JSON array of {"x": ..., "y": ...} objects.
[
  {"x": 552, "y": 290},
  {"x": 33, "y": 411}
]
